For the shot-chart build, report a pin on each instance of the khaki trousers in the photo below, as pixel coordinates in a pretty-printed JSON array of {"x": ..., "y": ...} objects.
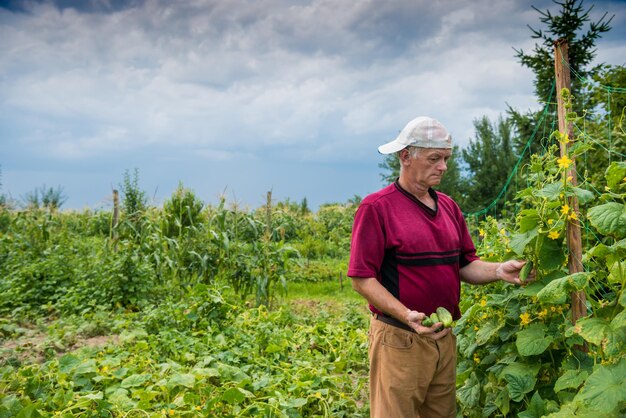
[{"x": 411, "y": 376}]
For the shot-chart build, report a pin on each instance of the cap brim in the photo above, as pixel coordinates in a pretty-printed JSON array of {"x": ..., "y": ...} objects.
[{"x": 391, "y": 147}]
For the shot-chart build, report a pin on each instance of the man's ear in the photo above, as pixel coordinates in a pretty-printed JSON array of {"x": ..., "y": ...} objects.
[{"x": 405, "y": 157}]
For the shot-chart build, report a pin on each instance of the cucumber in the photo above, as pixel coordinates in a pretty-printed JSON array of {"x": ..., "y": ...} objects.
[
  {"x": 445, "y": 317},
  {"x": 525, "y": 271}
]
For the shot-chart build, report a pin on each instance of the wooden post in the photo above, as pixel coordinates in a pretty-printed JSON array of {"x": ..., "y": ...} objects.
[
  {"x": 116, "y": 208},
  {"x": 574, "y": 242},
  {"x": 268, "y": 215},
  {"x": 116, "y": 217}
]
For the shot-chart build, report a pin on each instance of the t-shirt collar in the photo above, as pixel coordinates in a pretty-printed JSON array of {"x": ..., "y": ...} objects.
[{"x": 431, "y": 192}]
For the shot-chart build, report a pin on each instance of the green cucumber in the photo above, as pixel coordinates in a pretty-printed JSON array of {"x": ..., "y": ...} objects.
[
  {"x": 445, "y": 317},
  {"x": 525, "y": 271}
]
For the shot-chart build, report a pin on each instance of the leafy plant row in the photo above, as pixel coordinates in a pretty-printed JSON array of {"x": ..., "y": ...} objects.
[
  {"x": 202, "y": 356},
  {"x": 522, "y": 354}
]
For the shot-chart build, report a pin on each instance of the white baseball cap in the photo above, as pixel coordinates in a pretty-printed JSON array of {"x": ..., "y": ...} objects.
[{"x": 421, "y": 132}]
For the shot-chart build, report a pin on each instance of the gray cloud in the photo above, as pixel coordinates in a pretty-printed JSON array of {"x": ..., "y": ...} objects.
[{"x": 318, "y": 81}]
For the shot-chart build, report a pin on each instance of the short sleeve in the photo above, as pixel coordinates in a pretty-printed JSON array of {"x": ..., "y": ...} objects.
[
  {"x": 367, "y": 247},
  {"x": 468, "y": 250}
]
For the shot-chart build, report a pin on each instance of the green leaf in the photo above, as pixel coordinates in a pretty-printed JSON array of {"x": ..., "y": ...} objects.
[
  {"x": 536, "y": 408},
  {"x": 571, "y": 379},
  {"x": 619, "y": 321},
  {"x": 180, "y": 379},
  {"x": 593, "y": 330},
  {"x": 520, "y": 378},
  {"x": 584, "y": 196},
  {"x": 469, "y": 393},
  {"x": 532, "y": 340},
  {"x": 617, "y": 272},
  {"x": 557, "y": 291},
  {"x": 296, "y": 403},
  {"x": 487, "y": 330},
  {"x": 231, "y": 373},
  {"x": 135, "y": 380},
  {"x": 550, "y": 191},
  {"x": 520, "y": 241},
  {"x": 551, "y": 253},
  {"x": 234, "y": 396},
  {"x": 93, "y": 396},
  {"x": 609, "y": 219},
  {"x": 615, "y": 174},
  {"x": 529, "y": 220},
  {"x": 67, "y": 363},
  {"x": 120, "y": 399},
  {"x": 86, "y": 367},
  {"x": 605, "y": 389},
  {"x": 519, "y": 385},
  {"x": 29, "y": 411}
]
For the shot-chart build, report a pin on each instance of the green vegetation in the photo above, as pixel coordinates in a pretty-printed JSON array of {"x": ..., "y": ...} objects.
[{"x": 180, "y": 311}]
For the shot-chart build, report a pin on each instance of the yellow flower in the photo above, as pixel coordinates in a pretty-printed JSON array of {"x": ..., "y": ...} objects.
[
  {"x": 525, "y": 318},
  {"x": 553, "y": 235},
  {"x": 476, "y": 358},
  {"x": 564, "y": 138},
  {"x": 172, "y": 412},
  {"x": 550, "y": 221},
  {"x": 552, "y": 308},
  {"x": 572, "y": 216},
  {"x": 564, "y": 161},
  {"x": 565, "y": 209},
  {"x": 502, "y": 231},
  {"x": 476, "y": 328},
  {"x": 481, "y": 232},
  {"x": 570, "y": 178},
  {"x": 484, "y": 316},
  {"x": 624, "y": 179},
  {"x": 483, "y": 302},
  {"x": 543, "y": 313}
]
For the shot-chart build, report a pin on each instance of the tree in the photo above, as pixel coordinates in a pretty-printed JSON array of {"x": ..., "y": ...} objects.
[
  {"x": 568, "y": 24},
  {"x": 45, "y": 197},
  {"x": 391, "y": 168},
  {"x": 135, "y": 201},
  {"x": 452, "y": 183},
  {"x": 489, "y": 160}
]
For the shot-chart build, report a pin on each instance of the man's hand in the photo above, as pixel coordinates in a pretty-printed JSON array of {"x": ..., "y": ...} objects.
[
  {"x": 509, "y": 272},
  {"x": 414, "y": 319}
]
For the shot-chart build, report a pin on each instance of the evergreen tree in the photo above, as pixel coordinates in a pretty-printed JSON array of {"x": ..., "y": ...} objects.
[
  {"x": 391, "y": 169},
  {"x": 568, "y": 24},
  {"x": 452, "y": 183},
  {"x": 489, "y": 158}
]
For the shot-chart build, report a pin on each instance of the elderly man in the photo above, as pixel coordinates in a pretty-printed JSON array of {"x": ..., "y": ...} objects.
[{"x": 410, "y": 250}]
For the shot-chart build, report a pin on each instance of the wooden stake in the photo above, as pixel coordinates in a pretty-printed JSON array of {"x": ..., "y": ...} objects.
[
  {"x": 574, "y": 242},
  {"x": 116, "y": 217},
  {"x": 268, "y": 215}
]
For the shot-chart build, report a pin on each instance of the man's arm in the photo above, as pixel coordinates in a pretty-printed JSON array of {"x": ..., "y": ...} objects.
[
  {"x": 483, "y": 272},
  {"x": 377, "y": 295}
]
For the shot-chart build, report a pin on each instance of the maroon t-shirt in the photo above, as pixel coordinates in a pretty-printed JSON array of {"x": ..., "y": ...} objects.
[{"x": 414, "y": 252}]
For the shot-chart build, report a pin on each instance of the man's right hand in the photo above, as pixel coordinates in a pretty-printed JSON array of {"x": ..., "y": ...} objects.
[{"x": 414, "y": 320}]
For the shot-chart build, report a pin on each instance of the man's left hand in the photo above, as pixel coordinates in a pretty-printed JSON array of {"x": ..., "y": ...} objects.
[{"x": 509, "y": 272}]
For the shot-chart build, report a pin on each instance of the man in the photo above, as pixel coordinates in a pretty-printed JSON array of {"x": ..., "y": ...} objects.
[{"x": 410, "y": 249}]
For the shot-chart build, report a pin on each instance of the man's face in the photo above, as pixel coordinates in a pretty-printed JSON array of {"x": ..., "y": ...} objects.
[{"x": 428, "y": 166}]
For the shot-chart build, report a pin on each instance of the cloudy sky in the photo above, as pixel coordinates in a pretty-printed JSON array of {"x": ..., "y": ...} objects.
[{"x": 239, "y": 97}]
